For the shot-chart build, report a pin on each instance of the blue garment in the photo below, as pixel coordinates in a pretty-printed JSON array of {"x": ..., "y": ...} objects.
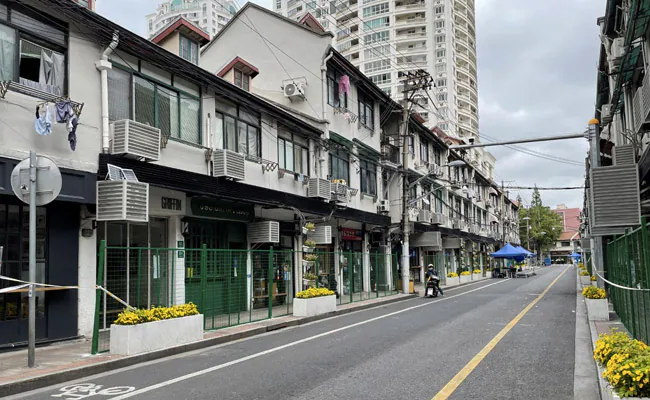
[
  {"x": 72, "y": 132},
  {"x": 43, "y": 124},
  {"x": 63, "y": 111}
]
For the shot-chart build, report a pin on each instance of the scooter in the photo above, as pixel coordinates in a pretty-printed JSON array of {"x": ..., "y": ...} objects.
[{"x": 432, "y": 286}]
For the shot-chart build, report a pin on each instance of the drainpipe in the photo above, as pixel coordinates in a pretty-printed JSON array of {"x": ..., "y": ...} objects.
[
  {"x": 103, "y": 65},
  {"x": 326, "y": 128}
]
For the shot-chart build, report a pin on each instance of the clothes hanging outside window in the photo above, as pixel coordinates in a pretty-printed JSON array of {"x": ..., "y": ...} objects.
[
  {"x": 65, "y": 115},
  {"x": 344, "y": 85},
  {"x": 43, "y": 124}
]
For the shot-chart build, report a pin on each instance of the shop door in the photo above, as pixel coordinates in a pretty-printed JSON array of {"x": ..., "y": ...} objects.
[{"x": 14, "y": 240}]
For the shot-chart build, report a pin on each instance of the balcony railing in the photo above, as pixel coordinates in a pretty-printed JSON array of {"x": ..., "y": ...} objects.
[{"x": 390, "y": 153}]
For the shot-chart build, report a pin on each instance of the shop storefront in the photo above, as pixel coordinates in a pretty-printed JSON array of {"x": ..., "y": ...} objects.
[{"x": 59, "y": 227}]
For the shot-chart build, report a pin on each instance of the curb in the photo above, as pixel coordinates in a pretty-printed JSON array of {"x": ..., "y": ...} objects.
[
  {"x": 585, "y": 387},
  {"x": 54, "y": 378}
]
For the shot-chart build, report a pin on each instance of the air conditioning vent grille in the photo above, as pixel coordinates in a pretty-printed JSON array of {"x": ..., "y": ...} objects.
[
  {"x": 229, "y": 164},
  {"x": 615, "y": 196},
  {"x": 122, "y": 201},
  {"x": 319, "y": 188},
  {"x": 264, "y": 232},
  {"x": 136, "y": 139}
]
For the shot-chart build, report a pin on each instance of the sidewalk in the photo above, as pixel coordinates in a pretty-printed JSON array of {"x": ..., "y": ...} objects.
[{"x": 63, "y": 362}]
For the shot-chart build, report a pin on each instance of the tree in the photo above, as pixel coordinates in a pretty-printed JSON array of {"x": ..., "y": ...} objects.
[{"x": 545, "y": 225}]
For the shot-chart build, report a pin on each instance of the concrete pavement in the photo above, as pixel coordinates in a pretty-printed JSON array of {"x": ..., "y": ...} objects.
[{"x": 406, "y": 350}]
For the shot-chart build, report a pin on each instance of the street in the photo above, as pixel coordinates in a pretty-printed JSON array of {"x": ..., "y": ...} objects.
[{"x": 407, "y": 350}]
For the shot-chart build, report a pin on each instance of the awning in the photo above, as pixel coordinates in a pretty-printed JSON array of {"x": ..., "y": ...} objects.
[
  {"x": 427, "y": 239},
  {"x": 366, "y": 151}
]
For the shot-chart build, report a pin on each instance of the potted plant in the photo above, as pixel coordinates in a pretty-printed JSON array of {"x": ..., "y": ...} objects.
[
  {"x": 314, "y": 301},
  {"x": 465, "y": 277},
  {"x": 309, "y": 279},
  {"x": 476, "y": 274},
  {"x": 138, "y": 331},
  {"x": 585, "y": 278},
  {"x": 593, "y": 280},
  {"x": 596, "y": 300},
  {"x": 309, "y": 259},
  {"x": 452, "y": 279},
  {"x": 308, "y": 246}
]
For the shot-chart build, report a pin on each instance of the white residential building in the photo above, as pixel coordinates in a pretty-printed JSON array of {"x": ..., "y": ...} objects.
[
  {"x": 386, "y": 38},
  {"x": 209, "y": 15}
]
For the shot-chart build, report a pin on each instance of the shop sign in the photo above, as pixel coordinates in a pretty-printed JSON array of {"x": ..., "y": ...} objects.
[
  {"x": 166, "y": 202},
  {"x": 211, "y": 208},
  {"x": 351, "y": 234}
]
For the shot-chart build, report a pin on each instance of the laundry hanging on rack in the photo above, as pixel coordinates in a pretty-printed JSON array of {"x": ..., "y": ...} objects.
[
  {"x": 43, "y": 123},
  {"x": 65, "y": 114}
]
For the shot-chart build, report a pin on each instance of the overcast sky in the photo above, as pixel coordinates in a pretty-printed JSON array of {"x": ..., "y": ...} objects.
[{"x": 537, "y": 77}]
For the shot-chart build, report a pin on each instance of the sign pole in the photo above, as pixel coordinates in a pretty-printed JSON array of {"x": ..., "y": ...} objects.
[{"x": 31, "y": 335}]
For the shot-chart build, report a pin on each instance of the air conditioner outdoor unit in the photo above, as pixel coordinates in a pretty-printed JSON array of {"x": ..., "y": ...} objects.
[
  {"x": 319, "y": 188},
  {"x": 321, "y": 235},
  {"x": 425, "y": 216},
  {"x": 437, "y": 219},
  {"x": 383, "y": 207},
  {"x": 136, "y": 139},
  {"x": 606, "y": 113},
  {"x": 294, "y": 91},
  {"x": 122, "y": 200},
  {"x": 339, "y": 193},
  {"x": 264, "y": 232},
  {"x": 229, "y": 164}
]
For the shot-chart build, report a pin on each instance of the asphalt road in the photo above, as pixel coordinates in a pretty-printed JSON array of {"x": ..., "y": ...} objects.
[{"x": 406, "y": 350}]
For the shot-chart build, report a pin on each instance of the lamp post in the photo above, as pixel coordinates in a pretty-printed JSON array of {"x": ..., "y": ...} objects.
[{"x": 539, "y": 244}]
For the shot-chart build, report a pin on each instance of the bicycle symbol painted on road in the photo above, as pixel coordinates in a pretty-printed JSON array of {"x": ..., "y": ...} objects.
[{"x": 85, "y": 390}]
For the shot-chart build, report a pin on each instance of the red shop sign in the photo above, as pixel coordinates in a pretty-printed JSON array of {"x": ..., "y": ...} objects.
[{"x": 351, "y": 234}]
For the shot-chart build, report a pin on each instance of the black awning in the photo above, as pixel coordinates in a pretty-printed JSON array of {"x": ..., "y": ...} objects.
[{"x": 205, "y": 185}]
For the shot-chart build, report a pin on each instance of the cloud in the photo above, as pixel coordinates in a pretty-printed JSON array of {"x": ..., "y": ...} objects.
[{"x": 537, "y": 77}]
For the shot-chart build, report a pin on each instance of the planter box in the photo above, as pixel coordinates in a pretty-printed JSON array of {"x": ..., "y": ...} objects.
[
  {"x": 151, "y": 336},
  {"x": 306, "y": 249},
  {"x": 452, "y": 282},
  {"x": 465, "y": 278},
  {"x": 477, "y": 277},
  {"x": 585, "y": 280},
  {"x": 597, "y": 309},
  {"x": 314, "y": 306},
  {"x": 606, "y": 390}
]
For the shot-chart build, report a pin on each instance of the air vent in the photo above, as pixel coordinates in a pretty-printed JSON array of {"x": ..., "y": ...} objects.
[
  {"x": 229, "y": 164},
  {"x": 319, "y": 188},
  {"x": 122, "y": 200},
  {"x": 624, "y": 155},
  {"x": 615, "y": 196},
  {"x": 425, "y": 216},
  {"x": 132, "y": 138},
  {"x": 264, "y": 232},
  {"x": 339, "y": 193},
  {"x": 427, "y": 239},
  {"x": 321, "y": 235}
]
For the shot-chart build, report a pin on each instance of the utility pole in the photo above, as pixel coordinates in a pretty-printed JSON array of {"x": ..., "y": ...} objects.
[
  {"x": 413, "y": 81},
  {"x": 594, "y": 160}
]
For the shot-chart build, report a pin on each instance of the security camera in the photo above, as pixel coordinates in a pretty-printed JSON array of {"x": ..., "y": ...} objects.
[{"x": 471, "y": 140}]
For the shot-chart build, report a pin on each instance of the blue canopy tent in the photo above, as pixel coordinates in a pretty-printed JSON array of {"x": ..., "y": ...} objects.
[
  {"x": 528, "y": 253},
  {"x": 575, "y": 255},
  {"x": 511, "y": 253}
]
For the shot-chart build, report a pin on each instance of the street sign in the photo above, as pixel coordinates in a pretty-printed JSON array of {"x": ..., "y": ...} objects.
[{"x": 48, "y": 181}]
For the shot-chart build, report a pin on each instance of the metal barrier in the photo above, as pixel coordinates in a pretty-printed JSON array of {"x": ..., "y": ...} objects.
[
  {"x": 229, "y": 286},
  {"x": 628, "y": 267}
]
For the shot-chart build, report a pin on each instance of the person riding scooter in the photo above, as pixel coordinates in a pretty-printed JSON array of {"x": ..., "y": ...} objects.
[{"x": 431, "y": 275}]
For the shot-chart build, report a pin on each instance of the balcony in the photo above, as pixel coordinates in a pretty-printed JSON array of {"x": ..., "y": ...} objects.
[
  {"x": 410, "y": 21},
  {"x": 390, "y": 154},
  {"x": 412, "y": 49},
  {"x": 408, "y": 6}
]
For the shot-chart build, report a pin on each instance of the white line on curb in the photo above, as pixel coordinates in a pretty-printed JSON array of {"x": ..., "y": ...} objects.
[{"x": 275, "y": 349}]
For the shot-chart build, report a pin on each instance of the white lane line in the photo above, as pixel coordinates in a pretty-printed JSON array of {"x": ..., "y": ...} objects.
[{"x": 275, "y": 349}]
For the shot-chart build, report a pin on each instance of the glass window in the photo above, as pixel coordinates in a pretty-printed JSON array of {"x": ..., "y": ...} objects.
[
  {"x": 366, "y": 110},
  {"x": 377, "y": 51},
  {"x": 375, "y": 10},
  {"x": 189, "y": 49},
  {"x": 376, "y": 24},
  {"x": 242, "y": 80},
  {"x": 7, "y": 53},
  {"x": 424, "y": 150},
  {"x": 334, "y": 97},
  {"x": 376, "y": 37},
  {"x": 368, "y": 177},
  {"x": 375, "y": 66},
  {"x": 240, "y": 130},
  {"x": 293, "y": 152},
  {"x": 411, "y": 145},
  {"x": 340, "y": 165}
]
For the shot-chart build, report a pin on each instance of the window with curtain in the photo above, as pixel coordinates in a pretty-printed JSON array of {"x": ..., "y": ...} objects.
[
  {"x": 32, "y": 52},
  {"x": 334, "y": 97},
  {"x": 368, "y": 177},
  {"x": 132, "y": 96},
  {"x": 366, "y": 110},
  {"x": 237, "y": 129},
  {"x": 438, "y": 201},
  {"x": 189, "y": 49},
  {"x": 293, "y": 152},
  {"x": 340, "y": 165},
  {"x": 242, "y": 80},
  {"x": 424, "y": 150}
]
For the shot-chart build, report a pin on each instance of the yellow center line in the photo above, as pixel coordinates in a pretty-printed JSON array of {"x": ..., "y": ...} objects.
[{"x": 453, "y": 384}]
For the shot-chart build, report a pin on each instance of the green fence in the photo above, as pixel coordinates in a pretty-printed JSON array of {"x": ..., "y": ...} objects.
[
  {"x": 628, "y": 265},
  {"x": 230, "y": 287}
]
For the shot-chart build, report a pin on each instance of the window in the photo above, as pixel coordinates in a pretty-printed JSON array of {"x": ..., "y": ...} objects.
[
  {"x": 411, "y": 145},
  {"x": 133, "y": 96},
  {"x": 380, "y": 79},
  {"x": 387, "y": 90},
  {"x": 376, "y": 24},
  {"x": 242, "y": 80},
  {"x": 237, "y": 129},
  {"x": 340, "y": 165},
  {"x": 293, "y": 152},
  {"x": 33, "y": 53},
  {"x": 375, "y": 10},
  {"x": 565, "y": 244},
  {"x": 334, "y": 97},
  {"x": 378, "y": 51},
  {"x": 151, "y": 24},
  {"x": 344, "y": 46},
  {"x": 440, "y": 24},
  {"x": 441, "y": 68},
  {"x": 440, "y": 53},
  {"x": 205, "y": 9},
  {"x": 440, "y": 38},
  {"x": 375, "y": 66},
  {"x": 439, "y": 9},
  {"x": 424, "y": 150},
  {"x": 437, "y": 156},
  {"x": 376, "y": 37},
  {"x": 441, "y": 82},
  {"x": 368, "y": 177},
  {"x": 366, "y": 110},
  {"x": 342, "y": 33},
  {"x": 441, "y": 96},
  {"x": 189, "y": 49}
]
